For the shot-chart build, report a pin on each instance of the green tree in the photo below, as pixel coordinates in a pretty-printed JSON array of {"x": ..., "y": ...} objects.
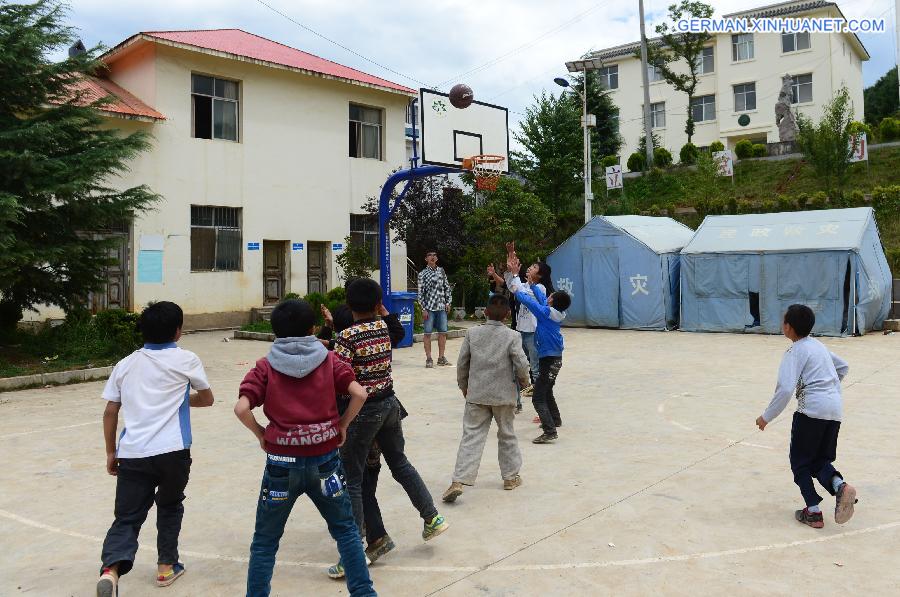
[
  {"x": 551, "y": 134},
  {"x": 881, "y": 99},
  {"x": 354, "y": 260},
  {"x": 677, "y": 47},
  {"x": 826, "y": 145},
  {"x": 58, "y": 165}
]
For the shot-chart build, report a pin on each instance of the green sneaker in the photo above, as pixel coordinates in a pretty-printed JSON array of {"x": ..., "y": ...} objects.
[
  {"x": 379, "y": 548},
  {"x": 434, "y": 528},
  {"x": 337, "y": 571}
]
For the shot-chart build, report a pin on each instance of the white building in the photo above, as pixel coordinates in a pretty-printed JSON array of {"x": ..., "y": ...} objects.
[
  {"x": 741, "y": 76},
  {"x": 263, "y": 155}
]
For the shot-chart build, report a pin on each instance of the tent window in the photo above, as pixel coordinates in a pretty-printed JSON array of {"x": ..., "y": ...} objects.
[
  {"x": 724, "y": 276},
  {"x": 807, "y": 276}
]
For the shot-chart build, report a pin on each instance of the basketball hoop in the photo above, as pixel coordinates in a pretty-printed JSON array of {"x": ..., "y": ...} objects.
[{"x": 487, "y": 169}]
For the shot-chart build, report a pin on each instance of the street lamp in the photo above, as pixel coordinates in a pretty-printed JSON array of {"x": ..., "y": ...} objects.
[{"x": 587, "y": 121}]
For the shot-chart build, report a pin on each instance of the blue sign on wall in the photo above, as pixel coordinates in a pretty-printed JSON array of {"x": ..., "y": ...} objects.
[
  {"x": 296, "y": 246},
  {"x": 337, "y": 246},
  {"x": 253, "y": 246}
]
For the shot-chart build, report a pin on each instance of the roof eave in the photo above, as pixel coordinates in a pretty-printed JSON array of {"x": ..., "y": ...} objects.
[{"x": 112, "y": 54}]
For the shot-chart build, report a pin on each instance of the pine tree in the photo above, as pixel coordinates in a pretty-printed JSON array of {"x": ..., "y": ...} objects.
[{"x": 58, "y": 167}]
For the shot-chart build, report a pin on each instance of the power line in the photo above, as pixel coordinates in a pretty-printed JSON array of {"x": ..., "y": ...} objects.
[{"x": 340, "y": 45}]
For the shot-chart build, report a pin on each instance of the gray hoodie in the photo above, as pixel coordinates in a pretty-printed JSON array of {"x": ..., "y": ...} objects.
[{"x": 297, "y": 357}]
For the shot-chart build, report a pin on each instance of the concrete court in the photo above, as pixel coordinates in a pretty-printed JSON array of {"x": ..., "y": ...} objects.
[{"x": 645, "y": 492}]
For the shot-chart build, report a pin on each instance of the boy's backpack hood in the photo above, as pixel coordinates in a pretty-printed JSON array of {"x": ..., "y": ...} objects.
[
  {"x": 297, "y": 357},
  {"x": 557, "y": 316}
]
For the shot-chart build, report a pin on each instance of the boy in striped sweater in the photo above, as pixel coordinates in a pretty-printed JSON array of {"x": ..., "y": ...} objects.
[{"x": 366, "y": 346}]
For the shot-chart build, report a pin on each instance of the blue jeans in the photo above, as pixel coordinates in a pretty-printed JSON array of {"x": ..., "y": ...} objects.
[
  {"x": 436, "y": 322},
  {"x": 322, "y": 479},
  {"x": 530, "y": 352}
]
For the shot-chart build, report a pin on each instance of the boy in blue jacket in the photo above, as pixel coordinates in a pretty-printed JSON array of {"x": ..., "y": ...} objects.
[{"x": 550, "y": 312}]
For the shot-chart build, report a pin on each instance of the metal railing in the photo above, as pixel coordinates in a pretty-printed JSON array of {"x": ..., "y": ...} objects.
[{"x": 412, "y": 276}]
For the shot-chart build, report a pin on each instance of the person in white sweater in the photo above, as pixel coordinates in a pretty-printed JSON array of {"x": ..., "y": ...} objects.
[{"x": 814, "y": 373}]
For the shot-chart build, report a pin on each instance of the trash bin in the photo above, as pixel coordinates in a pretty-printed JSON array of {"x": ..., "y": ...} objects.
[{"x": 403, "y": 304}]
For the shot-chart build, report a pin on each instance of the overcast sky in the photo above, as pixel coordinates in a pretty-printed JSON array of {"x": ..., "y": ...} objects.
[{"x": 524, "y": 43}]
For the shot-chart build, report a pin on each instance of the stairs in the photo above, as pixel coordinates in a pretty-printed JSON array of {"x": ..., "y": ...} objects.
[{"x": 258, "y": 314}]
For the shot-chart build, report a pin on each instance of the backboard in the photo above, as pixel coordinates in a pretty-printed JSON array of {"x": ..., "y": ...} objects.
[{"x": 451, "y": 134}]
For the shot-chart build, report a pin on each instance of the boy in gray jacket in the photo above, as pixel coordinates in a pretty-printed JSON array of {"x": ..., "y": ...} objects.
[{"x": 490, "y": 361}]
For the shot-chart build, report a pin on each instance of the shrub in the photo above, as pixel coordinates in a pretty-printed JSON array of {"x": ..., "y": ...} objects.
[
  {"x": 662, "y": 157},
  {"x": 610, "y": 160},
  {"x": 889, "y": 129},
  {"x": 767, "y": 206},
  {"x": 716, "y": 146},
  {"x": 745, "y": 207},
  {"x": 337, "y": 295},
  {"x": 290, "y": 296},
  {"x": 688, "y": 154},
  {"x": 636, "y": 162},
  {"x": 856, "y": 127},
  {"x": 117, "y": 330},
  {"x": 731, "y": 206},
  {"x": 819, "y": 200},
  {"x": 744, "y": 149},
  {"x": 886, "y": 200},
  {"x": 655, "y": 210},
  {"x": 802, "y": 201},
  {"x": 782, "y": 203},
  {"x": 316, "y": 300},
  {"x": 857, "y": 199},
  {"x": 760, "y": 150}
]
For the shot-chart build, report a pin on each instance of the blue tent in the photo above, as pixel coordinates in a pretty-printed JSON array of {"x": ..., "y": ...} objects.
[
  {"x": 831, "y": 260},
  {"x": 622, "y": 272}
]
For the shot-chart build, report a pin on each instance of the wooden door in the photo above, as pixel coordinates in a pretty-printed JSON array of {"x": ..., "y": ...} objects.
[
  {"x": 115, "y": 293},
  {"x": 317, "y": 267},
  {"x": 273, "y": 271}
]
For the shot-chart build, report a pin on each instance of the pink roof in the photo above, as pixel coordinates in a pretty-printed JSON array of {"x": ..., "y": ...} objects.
[
  {"x": 247, "y": 45},
  {"x": 95, "y": 88}
]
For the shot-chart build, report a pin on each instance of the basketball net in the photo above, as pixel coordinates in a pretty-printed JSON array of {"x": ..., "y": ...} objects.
[{"x": 487, "y": 169}]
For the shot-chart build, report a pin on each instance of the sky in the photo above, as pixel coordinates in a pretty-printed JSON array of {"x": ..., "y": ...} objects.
[{"x": 508, "y": 51}]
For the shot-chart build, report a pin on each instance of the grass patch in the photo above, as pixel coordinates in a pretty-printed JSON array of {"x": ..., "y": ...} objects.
[
  {"x": 264, "y": 327},
  {"x": 81, "y": 342}
]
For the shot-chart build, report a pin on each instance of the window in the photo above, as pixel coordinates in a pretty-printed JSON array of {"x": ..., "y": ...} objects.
[
  {"x": 703, "y": 108},
  {"x": 410, "y": 113},
  {"x": 658, "y": 115},
  {"x": 364, "y": 233},
  {"x": 654, "y": 73},
  {"x": 706, "y": 61},
  {"x": 745, "y": 97},
  {"x": 801, "y": 89},
  {"x": 742, "y": 47},
  {"x": 365, "y": 132},
  {"x": 791, "y": 42},
  {"x": 614, "y": 122},
  {"x": 214, "y": 103},
  {"x": 609, "y": 77},
  {"x": 215, "y": 238}
]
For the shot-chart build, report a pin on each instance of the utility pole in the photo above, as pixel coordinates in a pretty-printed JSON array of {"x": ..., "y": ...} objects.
[
  {"x": 588, "y": 193},
  {"x": 897, "y": 32},
  {"x": 648, "y": 135}
]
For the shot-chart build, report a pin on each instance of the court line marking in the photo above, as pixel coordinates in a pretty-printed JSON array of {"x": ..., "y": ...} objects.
[
  {"x": 51, "y": 429},
  {"x": 496, "y": 568}
]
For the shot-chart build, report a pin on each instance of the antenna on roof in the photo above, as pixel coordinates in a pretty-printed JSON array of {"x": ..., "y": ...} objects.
[{"x": 77, "y": 49}]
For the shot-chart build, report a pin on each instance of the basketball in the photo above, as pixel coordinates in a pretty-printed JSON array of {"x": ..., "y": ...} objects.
[{"x": 461, "y": 96}]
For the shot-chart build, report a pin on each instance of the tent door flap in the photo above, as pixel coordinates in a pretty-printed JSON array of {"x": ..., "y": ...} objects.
[{"x": 601, "y": 286}]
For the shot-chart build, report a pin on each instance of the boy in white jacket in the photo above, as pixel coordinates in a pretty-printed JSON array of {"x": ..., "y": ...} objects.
[{"x": 815, "y": 373}]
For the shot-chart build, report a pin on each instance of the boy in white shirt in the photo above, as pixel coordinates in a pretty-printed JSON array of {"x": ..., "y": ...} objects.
[
  {"x": 152, "y": 462},
  {"x": 815, "y": 373}
]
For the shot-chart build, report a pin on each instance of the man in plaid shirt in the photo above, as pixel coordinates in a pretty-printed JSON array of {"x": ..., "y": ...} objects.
[{"x": 434, "y": 298}]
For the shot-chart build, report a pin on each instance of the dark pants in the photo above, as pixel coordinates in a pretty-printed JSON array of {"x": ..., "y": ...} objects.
[
  {"x": 321, "y": 478},
  {"x": 371, "y": 511},
  {"x": 543, "y": 399},
  {"x": 813, "y": 449},
  {"x": 380, "y": 421},
  {"x": 140, "y": 483}
]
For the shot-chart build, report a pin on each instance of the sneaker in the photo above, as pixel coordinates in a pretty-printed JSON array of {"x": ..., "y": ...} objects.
[
  {"x": 164, "y": 580},
  {"x": 846, "y": 498},
  {"x": 443, "y": 362},
  {"x": 337, "y": 571},
  {"x": 529, "y": 391},
  {"x": 545, "y": 438},
  {"x": 519, "y": 409},
  {"x": 510, "y": 484},
  {"x": 813, "y": 519},
  {"x": 429, "y": 364},
  {"x": 107, "y": 585},
  {"x": 379, "y": 548},
  {"x": 434, "y": 528},
  {"x": 454, "y": 491}
]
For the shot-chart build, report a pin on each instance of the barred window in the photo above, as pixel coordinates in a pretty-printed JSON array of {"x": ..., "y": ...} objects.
[
  {"x": 215, "y": 238},
  {"x": 214, "y": 105},
  {"x": 364, "y": 232}
]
